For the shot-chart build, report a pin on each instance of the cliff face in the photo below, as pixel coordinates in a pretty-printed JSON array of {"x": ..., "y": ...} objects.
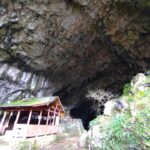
[{"x": 63, "y": 46}]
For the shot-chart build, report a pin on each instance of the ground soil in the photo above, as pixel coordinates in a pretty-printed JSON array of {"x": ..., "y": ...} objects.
[{"x": 66, "y": 143}]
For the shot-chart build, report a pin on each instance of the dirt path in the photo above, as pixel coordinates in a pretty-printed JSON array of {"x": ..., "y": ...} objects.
[
  {"x": 69, "y": 143},
  {"x": 4, "y": 145},
  {"x": 61, "y": 143}
]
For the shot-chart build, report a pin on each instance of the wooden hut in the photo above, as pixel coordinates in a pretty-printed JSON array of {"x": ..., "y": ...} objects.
[{"x": 31, "y": 117}]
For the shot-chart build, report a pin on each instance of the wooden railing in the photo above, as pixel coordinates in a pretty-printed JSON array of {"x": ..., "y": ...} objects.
[{"x": 22, "y": 130}]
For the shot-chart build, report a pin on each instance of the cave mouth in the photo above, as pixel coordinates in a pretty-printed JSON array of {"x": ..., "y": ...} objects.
[
  {"x": 93, "y": 95},
  {"x": 86, "y": 111}
]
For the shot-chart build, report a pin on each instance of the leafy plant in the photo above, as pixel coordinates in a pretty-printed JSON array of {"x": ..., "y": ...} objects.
[
  {"x": 125, "y": 130},
  {"x": 26, "y": 145}
]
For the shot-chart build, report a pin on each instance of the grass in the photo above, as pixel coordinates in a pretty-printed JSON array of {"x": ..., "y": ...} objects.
[{"x": 28, "y": 102}]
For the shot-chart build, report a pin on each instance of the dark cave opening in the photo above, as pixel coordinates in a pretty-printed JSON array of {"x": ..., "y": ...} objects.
[
  {"x": 111, "y": 80},
  {"x": 86, "y": 111}
]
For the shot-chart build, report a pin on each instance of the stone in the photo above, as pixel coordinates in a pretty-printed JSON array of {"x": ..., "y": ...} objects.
[
  {"x": 83, "y": 2},
  {"x": 73, "y": 43},
  {"x": 137, "y": 83},
  {"x": 3, "y": 21},
  {"x": 4, "y": 56},
  {"x": 14, "y": 17},
  {"x": 2, "y": 11},
  {"x": 25, "y": 77},
  {"x": 14, "y": 20},
  {"x": 14, "y": 47},
  {"x": 2, "y": 32},
  {"x": 13, "y": 73},
  {"x": 17, "y": 6},
  {"x": 31, "y": 26},
  {"x": 83, "y": 140},
  {"x": 34, "y": 82},
  {"x": 109, "y": 108},
  {"x": 3, "y": 69},
  {"x": 121, "y": 105},
  {"x": 68, "y": 21}
]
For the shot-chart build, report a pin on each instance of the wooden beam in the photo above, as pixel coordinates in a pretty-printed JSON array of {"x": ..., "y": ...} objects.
[
  {"x": 25, "y": 108},
  {"x": 3, "y": 120},
  {"x": 55, "y": 107}
]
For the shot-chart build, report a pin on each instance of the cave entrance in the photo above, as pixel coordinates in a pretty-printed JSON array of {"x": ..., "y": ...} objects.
[{"x": 86, "y": 111}]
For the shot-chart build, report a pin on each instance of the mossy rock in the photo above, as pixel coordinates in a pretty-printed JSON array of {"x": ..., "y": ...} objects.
[
  {"x": 126, "y": 89},
  {"x": 3, "y": 55},
  {"x": 2, "y": 32},
  {"x": 16, "y": 26}
]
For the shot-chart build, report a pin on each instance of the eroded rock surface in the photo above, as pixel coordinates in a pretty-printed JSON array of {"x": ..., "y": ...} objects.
[{"x": 58, "y": 46}]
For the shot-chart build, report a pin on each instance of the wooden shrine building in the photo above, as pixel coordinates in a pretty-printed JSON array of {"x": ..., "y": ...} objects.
[{"x": 31, "y": 117}]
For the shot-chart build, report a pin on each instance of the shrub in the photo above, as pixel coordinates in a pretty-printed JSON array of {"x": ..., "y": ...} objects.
[
  {"x": 26, "y": 145},
  {"x": 127, "y": 129}
]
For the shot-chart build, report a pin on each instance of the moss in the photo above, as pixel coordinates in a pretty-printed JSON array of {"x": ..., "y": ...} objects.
[
  {"x": 126, "y": 89},
  {"x": 3, "y": 55},
  {"x": 26, "y": 144},
  {"x": 24, "y": 102},
  {"x": 16, "y": 26},
  {"x": 144, "y": 3},
  {"x": 26, "y": 47},
  {"x": 29, "y": 102},
  {"x": 2, "y": 31}
]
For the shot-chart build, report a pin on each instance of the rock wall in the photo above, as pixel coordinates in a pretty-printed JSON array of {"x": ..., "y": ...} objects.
[{"x": 56, "y": 46}]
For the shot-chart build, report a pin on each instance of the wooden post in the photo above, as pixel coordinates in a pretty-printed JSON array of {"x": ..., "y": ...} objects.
[
  {"x": 16, "y": 121},
  {"x": 57, "y": 120},
  {"x": 11, "y": 113},
  {"x": 28, "y": 122},
  {"x": 39, "y": 121},
  {"x": 47, "y": 121},
  {"x": 50, "y": 118},
  {"x": 47, "y": 117},
  {"x": 59, "y": 117},
  {"x": 2, "y": 121},
  {"x": 29, "y": 118},
  {"x": 40, "y": 116},
  {"x": 54, "y": 115}
]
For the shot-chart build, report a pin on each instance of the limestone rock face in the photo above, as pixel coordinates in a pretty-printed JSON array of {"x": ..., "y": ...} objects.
[{"x": 69, "y": 42}]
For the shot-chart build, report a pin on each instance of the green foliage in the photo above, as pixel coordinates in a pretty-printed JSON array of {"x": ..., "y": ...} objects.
[
  {"x": 95, "y": 121},
  {"x": 27, "y": 102},
  {"x": 126, "y": 89},
  {"x": 27, "y": 145},
  {"x": 129, "y": 129},
  {"x": 139, "y": 3},
  {"x": 148, "y": 79},
  {"x": 2, "y": 32},
  {"x": 23, "y": 145},
  {"x": 126, "y": 131},
  {"x": 16, "y": 26},
  {"x": 59, "y": 138}
]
